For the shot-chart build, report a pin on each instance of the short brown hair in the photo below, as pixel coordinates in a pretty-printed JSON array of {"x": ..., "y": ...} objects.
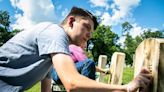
[{"x": 75, "y": 11}]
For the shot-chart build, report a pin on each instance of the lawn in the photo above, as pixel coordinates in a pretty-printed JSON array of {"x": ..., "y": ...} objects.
[
  {"x": 35, "y": 88},
  {"x": 127, "y": 76}
]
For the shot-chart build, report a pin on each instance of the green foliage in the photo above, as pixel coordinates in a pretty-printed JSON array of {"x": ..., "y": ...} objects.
[
  {"x": 4, "y": 19},
  {"x": 5, "y": 34},
  {"x": 104, "y": 42},
  {"x": 126, "y": 26},
  {"x": 130, "y": 47},
  {"x": 150, "y": 34}
]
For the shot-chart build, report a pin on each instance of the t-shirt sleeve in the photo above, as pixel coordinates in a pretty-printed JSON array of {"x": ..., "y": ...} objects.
[{"x": 52, "y": 39}]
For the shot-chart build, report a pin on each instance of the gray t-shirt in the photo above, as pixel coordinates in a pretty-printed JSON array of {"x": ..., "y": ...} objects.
[{"x": 25, "y": 59}]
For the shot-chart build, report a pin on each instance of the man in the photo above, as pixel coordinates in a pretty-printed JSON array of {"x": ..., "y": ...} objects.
[{"x": 27, "y": 57}]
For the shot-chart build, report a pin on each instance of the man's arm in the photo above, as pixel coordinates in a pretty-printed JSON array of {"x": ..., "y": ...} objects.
[
  {"x": 73, "y": 81},
  {"x": 46, "y": 85}
]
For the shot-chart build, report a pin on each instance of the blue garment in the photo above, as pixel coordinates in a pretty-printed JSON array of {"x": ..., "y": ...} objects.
[
  {"x": 86, "y": 68},
  {"x": 25, "y": 59}
]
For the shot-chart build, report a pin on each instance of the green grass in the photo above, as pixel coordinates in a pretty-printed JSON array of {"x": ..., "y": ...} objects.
[
  {"x": 127, "y": 77},
  {"x": 35, "y": 88}
]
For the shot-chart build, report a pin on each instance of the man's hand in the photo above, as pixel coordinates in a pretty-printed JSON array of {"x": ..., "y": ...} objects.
[{"x": 141, "y": 81}]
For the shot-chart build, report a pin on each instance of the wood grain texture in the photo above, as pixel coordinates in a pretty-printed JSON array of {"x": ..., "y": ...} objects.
[
  {"x": 150, "y": 54},
  {"x": 116, "y": 68}
]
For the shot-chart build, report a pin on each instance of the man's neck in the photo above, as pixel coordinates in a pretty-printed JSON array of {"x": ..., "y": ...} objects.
[{"x": 66, "y": 29}]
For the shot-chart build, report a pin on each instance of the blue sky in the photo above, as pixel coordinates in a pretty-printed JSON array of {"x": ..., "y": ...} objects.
[{"x": 142, "y": 14}]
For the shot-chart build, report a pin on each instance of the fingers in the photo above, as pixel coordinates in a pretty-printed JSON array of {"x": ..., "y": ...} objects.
[
  {"x": 143, "y": 86},
  {"x": 145, "y": 70},
  {"x": 146, "y": 73},
  {"x": 142, "y": 81}
]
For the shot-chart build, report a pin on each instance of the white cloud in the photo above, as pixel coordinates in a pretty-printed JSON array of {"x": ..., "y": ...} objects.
[
  {"x": 97, "y": 13},
  {"x": 100, "y": 3},
  {"x": 136, "y": 30},
  {"x": 124, "y": 7},
  {"x": 106, "y": 19},
  {"x": 34, "y": 11},
  {"x": 121, "y": 10},
  {"x": 126, "y": 4}
]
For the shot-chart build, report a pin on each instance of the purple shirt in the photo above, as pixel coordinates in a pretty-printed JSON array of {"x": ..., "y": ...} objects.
[{"x": 77, "y": 53}]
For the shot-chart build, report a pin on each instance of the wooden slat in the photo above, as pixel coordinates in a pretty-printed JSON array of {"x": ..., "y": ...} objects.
[
  {"x": 150, "y": 54},
  {"x": 101, "y": 64},
  {"x": 116, "y": 68}
]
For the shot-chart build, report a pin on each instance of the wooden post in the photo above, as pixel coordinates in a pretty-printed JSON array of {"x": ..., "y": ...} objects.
[
  {"x": 101, "y": 64},
  {"x": 150, "y": 54},
  {"x": 116, "y": 68},
  {"x": 133, "y": 60}
]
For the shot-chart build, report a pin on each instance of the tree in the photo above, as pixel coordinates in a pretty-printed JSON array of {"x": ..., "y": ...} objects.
[
  {"x": 150, "y": 34},
  {"x": 4, "y": 19},
  {"x": 104, "y": 42},
  {"x": 129, "y": 44},
  {"x": 138, "y": 40},
  {"x": 5, "y": 34},
  {"x": 126, "y": 26},
  {"x": 130, "y": 47}
]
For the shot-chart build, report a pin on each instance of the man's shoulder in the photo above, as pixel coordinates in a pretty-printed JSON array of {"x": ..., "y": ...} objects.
[{"x": 46, "y": 25}]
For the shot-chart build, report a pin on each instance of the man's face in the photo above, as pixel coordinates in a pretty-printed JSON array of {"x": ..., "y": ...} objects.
[{"x": 81, "y": 31}]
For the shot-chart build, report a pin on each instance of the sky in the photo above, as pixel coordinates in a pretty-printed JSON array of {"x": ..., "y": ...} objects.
[{"x": 141, "y": 14}]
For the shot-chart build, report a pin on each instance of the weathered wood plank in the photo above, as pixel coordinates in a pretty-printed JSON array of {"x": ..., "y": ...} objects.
[
  {"x": 101, "y": 64},
  {"x": 116, "y": 68},
  {"x": 150, "y": 54}
]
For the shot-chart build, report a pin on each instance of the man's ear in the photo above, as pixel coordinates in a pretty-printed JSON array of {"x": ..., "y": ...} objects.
[{"x": 71, "y": 20}]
